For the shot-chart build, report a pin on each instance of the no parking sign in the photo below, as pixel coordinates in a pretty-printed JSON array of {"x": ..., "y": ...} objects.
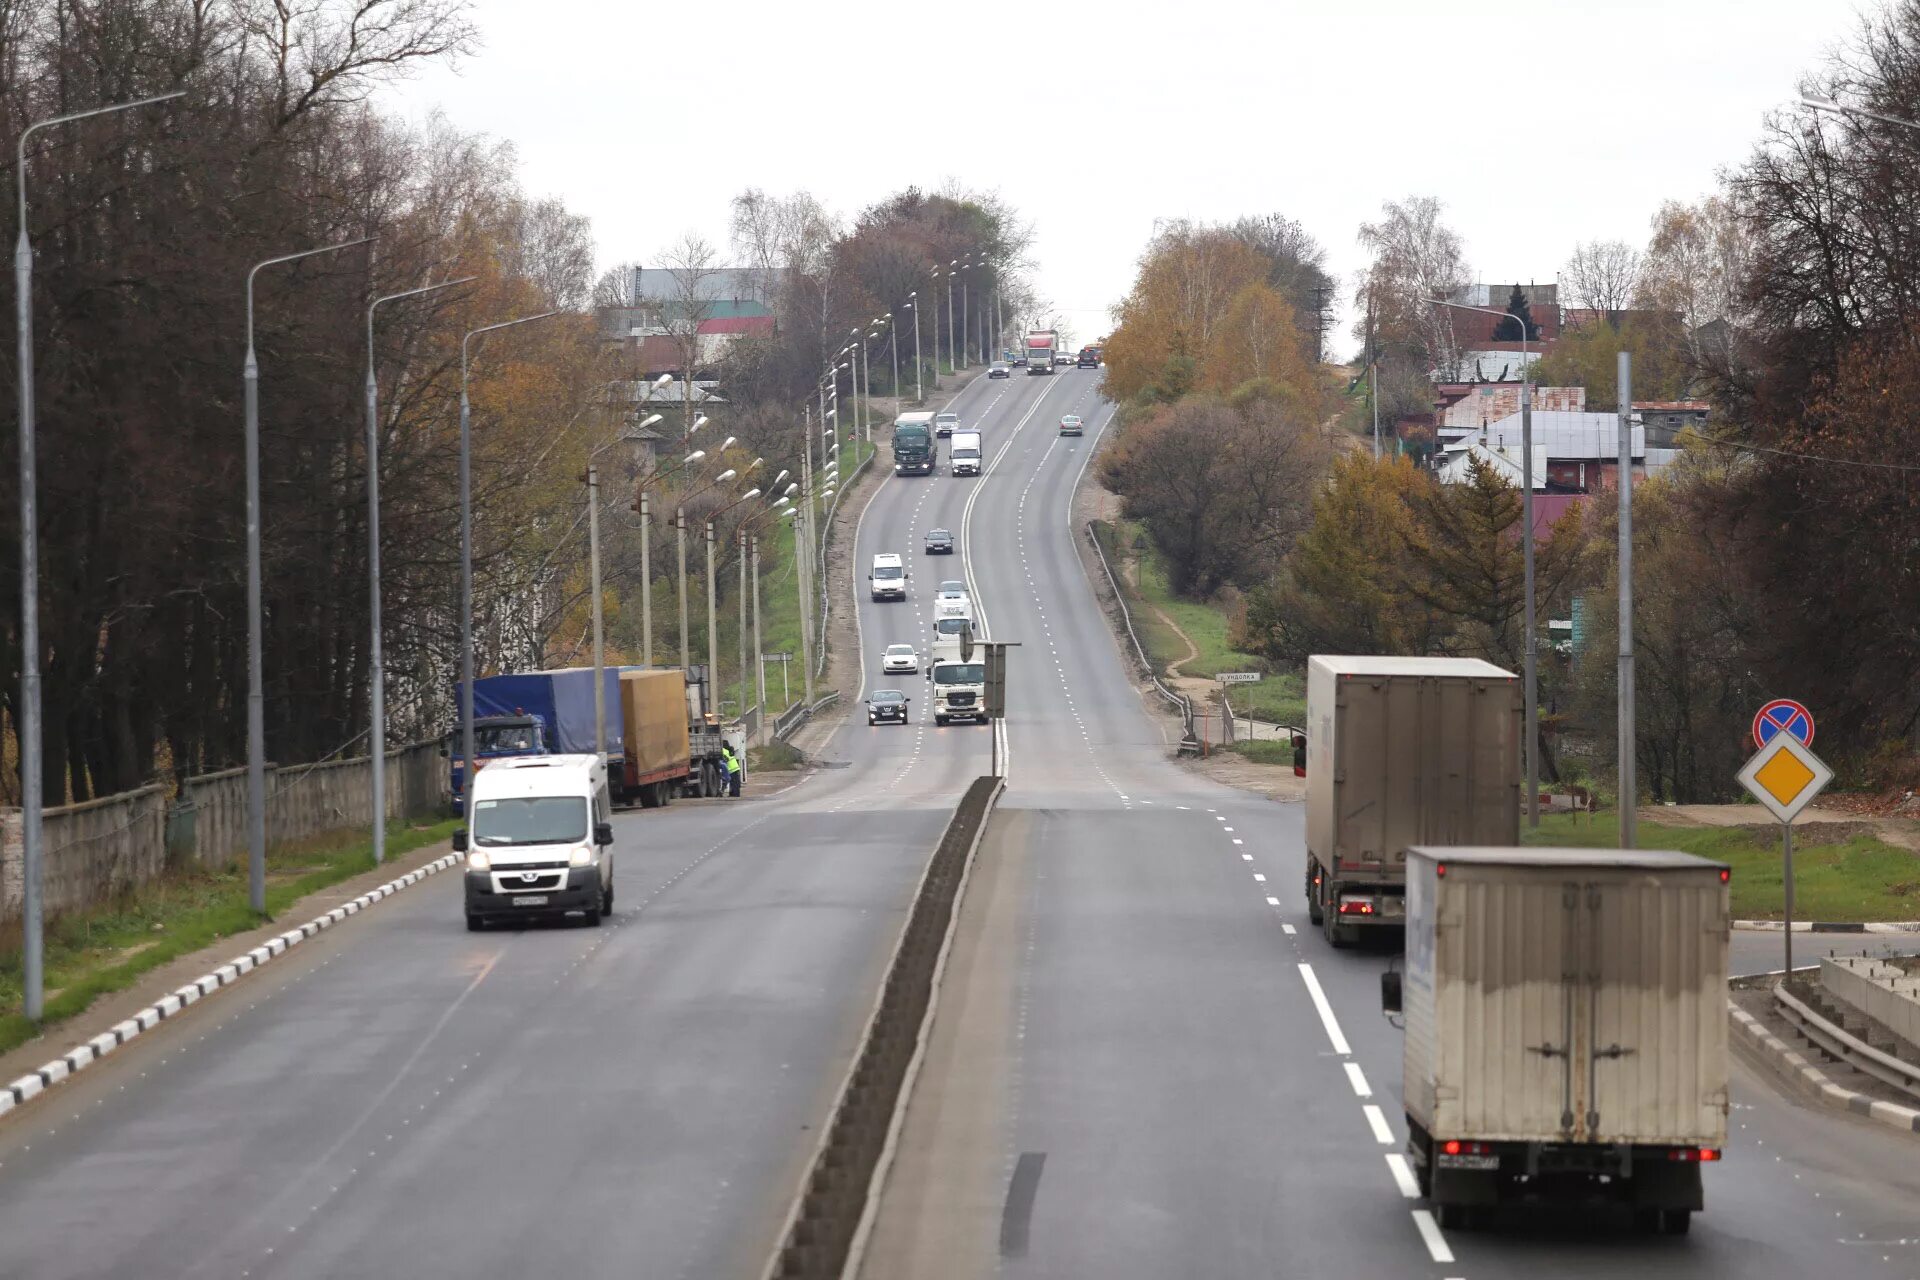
[{"x": 1783, "y": 713}]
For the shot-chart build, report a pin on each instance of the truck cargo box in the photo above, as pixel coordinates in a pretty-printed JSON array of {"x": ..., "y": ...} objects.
[
  {"x": 1563, "y": 996},
  {"x": 653, "y": 708},
  {"x": 1402, "y": 751}
]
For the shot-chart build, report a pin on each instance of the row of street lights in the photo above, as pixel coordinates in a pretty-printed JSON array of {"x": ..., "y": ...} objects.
[{"x": 29, "y": 722}]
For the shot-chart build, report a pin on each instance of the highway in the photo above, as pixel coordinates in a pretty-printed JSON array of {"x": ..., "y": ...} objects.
[
  {"x": 398, "y": 1096},
  {"x": 1146, "y": 1063}
]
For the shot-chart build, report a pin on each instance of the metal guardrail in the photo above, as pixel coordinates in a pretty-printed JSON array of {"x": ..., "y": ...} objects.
[
  {"x": 1180, "y": 701},
  {"x": 1845, "y": 1046},
  {"x": 799, "y": 713},
  {"x": 831, "y": 1217},
  {"x": 826, "y": 527}
]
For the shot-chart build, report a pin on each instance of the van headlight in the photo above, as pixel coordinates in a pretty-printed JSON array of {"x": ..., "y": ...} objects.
[
  {"x": 583, "y": 856},
  {"x": 478, "y": 861}
]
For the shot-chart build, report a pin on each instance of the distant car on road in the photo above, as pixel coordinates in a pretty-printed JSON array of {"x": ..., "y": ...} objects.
[
  {"x": 951, "y": 589},
  {"x": 901, "y": 658},
  {"x": 1020, "y": 362},
  {"x": 1061, "y": 357},
  {"x": 1070, "y": 425},
  {"x": 999, "y": 369},
  {"x": 945, "y": 424},
  {"x": 939, "y": 542},
  {"x": 889, "y": 705},
  {"x": 1089, "y": 358}
]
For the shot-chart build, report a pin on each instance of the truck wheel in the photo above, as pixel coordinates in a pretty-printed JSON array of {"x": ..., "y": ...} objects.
[
  {"x": 666, "y": 794},
  {"x": 940, "y": 720},
  {"x": 476, "y": 923},
  {"x": 1338, "y": 935},
  {"x": 1675, "y": 1222},
  {"x": 592, "y": 917},
  {"x": 1451, "y": 1217},
  {"x": 650, "y": 796},
  {"x": 1314, "y": 913}
]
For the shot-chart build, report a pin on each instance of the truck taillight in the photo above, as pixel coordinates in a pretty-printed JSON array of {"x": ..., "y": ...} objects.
[
  {"x": 1726, "y": 874},
  {"x": 1455, "y": 1147},
  {"x": 1694, "y": 1155},
  {"x": 1356, "y": 908}
]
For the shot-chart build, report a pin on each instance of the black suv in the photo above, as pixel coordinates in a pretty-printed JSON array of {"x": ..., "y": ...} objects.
[
  {"x": 939, "y": 542},
  {"x": 888, "y": 705}
]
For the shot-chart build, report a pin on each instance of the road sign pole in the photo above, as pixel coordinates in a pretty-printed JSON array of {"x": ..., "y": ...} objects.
[{"x": 1786, "y": 845}]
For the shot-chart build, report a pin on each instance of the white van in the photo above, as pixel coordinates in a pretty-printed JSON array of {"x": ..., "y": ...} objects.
[
  {"x": 951, "y": 607},
  {"x": 541, "y": 840},
  {"x": 888, "y": 577},
  {"x": 966, "y": 453}
]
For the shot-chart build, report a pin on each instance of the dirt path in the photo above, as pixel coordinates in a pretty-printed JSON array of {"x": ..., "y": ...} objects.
[{"x": 1902, "y": 833}]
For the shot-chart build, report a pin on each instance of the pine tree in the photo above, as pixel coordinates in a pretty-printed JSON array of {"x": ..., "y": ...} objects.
[{"x": 1518, "y": 320}]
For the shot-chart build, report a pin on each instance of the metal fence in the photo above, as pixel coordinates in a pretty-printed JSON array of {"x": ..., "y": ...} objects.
[{"x": 1180, "y": 701}]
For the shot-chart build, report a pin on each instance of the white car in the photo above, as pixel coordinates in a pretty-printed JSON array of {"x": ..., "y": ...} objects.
[
  {"x": 900, "y": 657},
  {"x": 951, "y": 589}
]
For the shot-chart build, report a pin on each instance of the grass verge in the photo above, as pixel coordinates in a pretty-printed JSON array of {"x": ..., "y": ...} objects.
[
  {"x": 95, "y": 953},
  {"x": 775, "y": 757},
  {"x": 1265, "y": 751},
  {"x": 1856, "y": 878},
  {"x": 1279, "y": 697}
]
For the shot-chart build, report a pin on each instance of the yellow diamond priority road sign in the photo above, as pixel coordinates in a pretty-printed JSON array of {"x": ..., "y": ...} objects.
[{"x": 1785, "y": 776}]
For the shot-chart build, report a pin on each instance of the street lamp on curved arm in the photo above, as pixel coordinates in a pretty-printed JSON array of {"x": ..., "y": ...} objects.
[
  {"x": 1526, "y": 541},
  {"x": 466, "y": 543}
]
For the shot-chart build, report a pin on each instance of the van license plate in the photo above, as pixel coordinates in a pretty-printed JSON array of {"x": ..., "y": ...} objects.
[{"x": 532, "y": 900}]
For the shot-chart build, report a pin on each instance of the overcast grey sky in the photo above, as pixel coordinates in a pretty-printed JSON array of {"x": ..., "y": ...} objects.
[{"x": 1539, "y": 125}]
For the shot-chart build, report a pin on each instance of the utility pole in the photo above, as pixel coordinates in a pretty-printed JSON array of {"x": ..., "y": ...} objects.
[
  {"x": 742, "y": 548},
  {"x": 646, "y": 580},
  {"x": 1629, "y": 784},
  {"x": 680, "y": 539},
  {"x": 599, "y": 634},
  {"x": 759, "y": 666},
  {"x": 893, "y": 341},
  {"x": 1320, "y": 324},
  {"x": 919, "y": 395}
]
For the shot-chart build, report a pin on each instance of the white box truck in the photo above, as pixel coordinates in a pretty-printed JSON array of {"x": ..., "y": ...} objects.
[
  {"x": 1566, "y": 1028},
  {"x": 1399, "y": 752},
  {"x": 965, "y": 457}
]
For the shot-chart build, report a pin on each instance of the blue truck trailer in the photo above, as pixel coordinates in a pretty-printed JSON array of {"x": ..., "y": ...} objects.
[{"x": 534, "y": 713}]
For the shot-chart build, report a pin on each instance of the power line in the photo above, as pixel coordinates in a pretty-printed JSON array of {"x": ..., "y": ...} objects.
[{"x": 1808, "y": 457}]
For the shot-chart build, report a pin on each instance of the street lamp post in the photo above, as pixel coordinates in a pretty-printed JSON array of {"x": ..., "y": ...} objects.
[
  {"x": 27, "y": 723},
  {"x": 913, "y": 301},
  {"x": 376, "y": 662},
  {"x": 953, "y": 364},
  {"x": 936, "y": 327},
  {"x": 1526, "y": 542},
  {"x": 893, "y": 341},
  {"x": 256, "y": 695},
  {"x": 713, "y": 625},
  {"x": 466, "y": 555}
]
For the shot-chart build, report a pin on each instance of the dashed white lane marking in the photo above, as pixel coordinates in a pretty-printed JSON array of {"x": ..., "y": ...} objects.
[
  {"x": 1273, "y": 902},
  {"x": 1246, "y": 857},
  {"x": 1258, "y": 878},
  {"x": 1237, "y": 841},
  {"x": 1403, "y": 1175},
  {"x": 1358, "y": 1079},
  {"x": 1430, "y": 1235},
  {"x": 1325, "y": 1010},
  {"x": 1377, "y": 1120},
  {"x": 1284, "y": 928}
]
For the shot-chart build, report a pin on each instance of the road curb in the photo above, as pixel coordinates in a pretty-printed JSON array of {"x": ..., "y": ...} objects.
[
  {"x": 88, "y": 1052},
  {"x": 1831, "y": 926},
  {"x": 1793, "y": 1063}
]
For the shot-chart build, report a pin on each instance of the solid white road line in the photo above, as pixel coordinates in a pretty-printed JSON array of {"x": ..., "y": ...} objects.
[
  {"x": 1430, "y": 1234},
  {"x": 1381, "y": 1133},
  {"x": 1403, "y": 1175},
  {"x": 1327, "y": 1020}
]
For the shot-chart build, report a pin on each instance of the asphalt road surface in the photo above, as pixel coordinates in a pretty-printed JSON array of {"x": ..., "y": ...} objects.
[
  {"x": 1146, "y": 1064},
  {"x": 400, "y": 1097}
]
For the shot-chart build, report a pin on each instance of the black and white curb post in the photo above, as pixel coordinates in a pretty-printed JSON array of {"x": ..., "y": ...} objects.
[{"x": 87, "y": 1052}]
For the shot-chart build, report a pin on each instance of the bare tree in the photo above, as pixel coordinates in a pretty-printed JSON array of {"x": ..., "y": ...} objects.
[
  {"x": 1603, "y": 276},
  {"x": 1695, "y": 262},
  {"x": 690, "y": 263},
  {"x": 1416, "y": 258}
]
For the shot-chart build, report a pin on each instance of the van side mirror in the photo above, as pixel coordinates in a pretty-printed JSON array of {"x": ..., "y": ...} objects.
[
  {"x": 1390, "y": 991},
  {"x": 1299, "y": 755},
  {"x": 603, "y": 833},
  {"x": 460, "y": 841}
]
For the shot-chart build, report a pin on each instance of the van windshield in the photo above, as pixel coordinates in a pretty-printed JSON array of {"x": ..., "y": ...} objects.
[
  {"x": 884, "y": 571},
  {"x": 530, "y": 820}
]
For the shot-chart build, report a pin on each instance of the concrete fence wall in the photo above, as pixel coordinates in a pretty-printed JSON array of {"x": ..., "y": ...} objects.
[{"x": 101, "y": 849}]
